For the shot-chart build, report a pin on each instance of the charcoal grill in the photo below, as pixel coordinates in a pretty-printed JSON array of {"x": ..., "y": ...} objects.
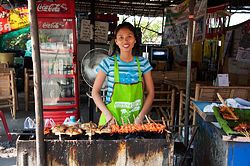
[{"x": 104, "y": 149}]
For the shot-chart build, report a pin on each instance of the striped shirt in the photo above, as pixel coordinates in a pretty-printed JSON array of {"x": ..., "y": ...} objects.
[{"x": 128, "y": 71}]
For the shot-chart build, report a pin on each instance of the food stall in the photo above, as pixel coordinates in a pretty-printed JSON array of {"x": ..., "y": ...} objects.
[
  {"x": 82, "y": 147},
  {"x": 110, "y": 150}
]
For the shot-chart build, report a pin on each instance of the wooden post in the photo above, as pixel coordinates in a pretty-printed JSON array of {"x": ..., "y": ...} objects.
[
  {"x": 40, "y": 151},
  {"x": 92, "y": 46},
  {"x": 180, "y": 110},
  {"x": 26, "y": 90},
  {"x": 172, "y": 109},
  {"x": 14, "y": 93},
  {"x": 196, "y": 98},
  {"x": 189, "y": 59}
]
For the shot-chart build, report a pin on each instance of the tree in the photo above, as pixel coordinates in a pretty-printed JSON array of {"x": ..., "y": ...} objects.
[
  {"x": 151, "y": 28},
  {"x": 151, "y": 31}
]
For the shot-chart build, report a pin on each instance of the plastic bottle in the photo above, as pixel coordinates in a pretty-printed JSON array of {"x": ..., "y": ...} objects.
[
  {"x": 70, "y": 121},
  {"x": 72, "y": 118}
]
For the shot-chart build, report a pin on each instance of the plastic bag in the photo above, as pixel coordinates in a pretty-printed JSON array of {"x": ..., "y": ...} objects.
[
  {"x": 70, "y": 121},
  {"x": 49, "y": 123},
  {"x": 29, "y": 123},
  {"x": 242, "y": 102}
]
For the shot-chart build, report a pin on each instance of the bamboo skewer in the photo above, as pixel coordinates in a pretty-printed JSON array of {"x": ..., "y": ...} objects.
[
  {"x": 163, "y": 121},
  {"x": 128, "y": 120},
  {"x": 134, "y": 117},
  {"x": 60, "y": 137},
  {"x": 151, "y": 120},
  {"x": 122, "y": 121},
  {"x": 225, "y": 105},
  {"x": 222, "y": 100},
  {"x": 116, "y": 122},
  {"x": 147, "y": 118}
]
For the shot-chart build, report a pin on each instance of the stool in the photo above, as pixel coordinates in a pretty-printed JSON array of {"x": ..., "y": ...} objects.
[{"x": 5, "y": 126}]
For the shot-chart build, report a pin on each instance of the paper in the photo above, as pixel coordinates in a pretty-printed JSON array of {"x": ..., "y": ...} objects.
[
  {"x": 85, "y": 30},
  {"x": 223, "y": 80},
  {"x": 101, "y": 31}
]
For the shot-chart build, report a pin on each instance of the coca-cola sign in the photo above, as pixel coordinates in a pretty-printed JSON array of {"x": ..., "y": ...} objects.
[
  {"x": 52, "y": 25},
  {"x": 55, "y": 8},
  {"x": 52, "y": 8}
]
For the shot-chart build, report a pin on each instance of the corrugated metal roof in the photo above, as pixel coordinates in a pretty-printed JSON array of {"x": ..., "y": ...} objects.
[
  {"x": 138, "y": 7},
  {"x": 145, "y": 7},
  {"x": 127, "y": 7}
]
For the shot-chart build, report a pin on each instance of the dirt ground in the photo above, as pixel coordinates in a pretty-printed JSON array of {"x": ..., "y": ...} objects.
[{"x": 7, "y": 152}]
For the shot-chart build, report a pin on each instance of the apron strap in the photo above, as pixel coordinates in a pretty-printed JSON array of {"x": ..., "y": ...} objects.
[
  {"x": 139, "y": 69},
  {"x": 116, "y": 70}
]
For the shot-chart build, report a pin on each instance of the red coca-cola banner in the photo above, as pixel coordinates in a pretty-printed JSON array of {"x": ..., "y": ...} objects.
[
  {"x": 55, "y": 8},
  {"x": 55, "y": 23}
]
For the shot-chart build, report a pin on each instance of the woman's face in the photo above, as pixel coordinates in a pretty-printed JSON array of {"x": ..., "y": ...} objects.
[{"x": 125, "y": 40}]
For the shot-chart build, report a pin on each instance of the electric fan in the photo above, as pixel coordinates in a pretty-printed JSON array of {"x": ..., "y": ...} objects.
[{"x": 89, "y": 63}]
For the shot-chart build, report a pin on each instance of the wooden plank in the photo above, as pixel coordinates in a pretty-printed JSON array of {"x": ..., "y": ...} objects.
[
  {"x": 4, "y": 65},
  {"x": 8, "y": 92},
  {"x": 5, "y": 84},
  {"x": 5, "y": 97}
]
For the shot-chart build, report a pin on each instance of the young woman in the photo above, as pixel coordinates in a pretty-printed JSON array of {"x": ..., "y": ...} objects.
[{"x": 126, "y": 75}]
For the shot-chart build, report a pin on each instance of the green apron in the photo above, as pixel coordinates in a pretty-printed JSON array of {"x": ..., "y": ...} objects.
[{"x": 126, "y": 100}]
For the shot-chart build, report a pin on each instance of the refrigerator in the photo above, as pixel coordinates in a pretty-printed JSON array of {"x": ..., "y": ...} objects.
[{"x": 58, "y": 51}]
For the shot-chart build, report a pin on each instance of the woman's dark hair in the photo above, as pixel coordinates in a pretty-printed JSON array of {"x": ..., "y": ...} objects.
[{"x": 114, "y": 49}]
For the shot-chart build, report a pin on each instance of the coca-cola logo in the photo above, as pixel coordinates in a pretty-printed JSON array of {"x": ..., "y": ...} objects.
[
  {"x": 52, "y": 25},
  {"x": 53, "y": 8}
]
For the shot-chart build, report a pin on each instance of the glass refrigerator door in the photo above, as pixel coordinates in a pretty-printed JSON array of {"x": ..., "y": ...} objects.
[{"x": 56, "y": 49}]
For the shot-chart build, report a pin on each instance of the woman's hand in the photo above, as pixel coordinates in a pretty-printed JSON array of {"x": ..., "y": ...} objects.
[
  {"x": 110, "y": 119},
  {"x": 139, "y": 119}
]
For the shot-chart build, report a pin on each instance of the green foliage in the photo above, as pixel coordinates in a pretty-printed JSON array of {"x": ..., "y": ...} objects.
[
  {"x": 14, "y": 40},
  {"x": 151, "y": 27},
  {"x": 17, "y": 43},
  {"x": 151, "y": 31},
  {"x": 43, "y": 38}
]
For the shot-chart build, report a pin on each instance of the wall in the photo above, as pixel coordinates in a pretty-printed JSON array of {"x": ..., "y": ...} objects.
[
  {"x": 237, "y": 67},
  {"x": 82, "y": 49}
]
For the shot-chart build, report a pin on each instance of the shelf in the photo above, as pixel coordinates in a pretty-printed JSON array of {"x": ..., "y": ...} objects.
[
  {"x": 53, "y": 107},
  {"x": 60, "y": 99},
  {"x": 49, "y": 76},
  {"x": 56, "y": 54},
  {"x": 62, "y": 103},
  {"x": 55, "y": 51}
]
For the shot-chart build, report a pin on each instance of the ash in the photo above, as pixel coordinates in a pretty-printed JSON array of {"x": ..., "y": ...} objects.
[{"x": 7, "y": 149}]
